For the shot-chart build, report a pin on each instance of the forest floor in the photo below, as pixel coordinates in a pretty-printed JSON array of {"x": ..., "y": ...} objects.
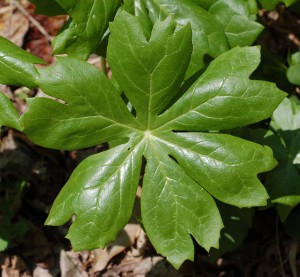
[{"x": 31, "y": 177}]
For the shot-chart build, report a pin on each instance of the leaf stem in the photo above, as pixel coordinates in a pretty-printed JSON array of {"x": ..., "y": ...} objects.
[{"x": 278, "y": 249}]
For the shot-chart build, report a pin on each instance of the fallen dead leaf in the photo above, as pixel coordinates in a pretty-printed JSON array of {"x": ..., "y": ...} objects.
[
  {"x": 14, "y": 267},
  {"x": 125, "y": 239},
  {"x": 141, "y": 244},
  {"x": 149, "y": 267},
  {"x": 154, "y": 267},
  {"x": 42, "y": 272},
  {"x": 13, "y": 24},
  {"x": 70, "y": 265},
  {"x": 292, "y": 254}
]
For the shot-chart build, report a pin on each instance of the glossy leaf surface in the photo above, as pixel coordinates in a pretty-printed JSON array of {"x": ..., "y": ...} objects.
[
  {"x": 9, "y": 115},
  {"x": 101, "y": 189},
  {"x": 88, "y": 22},
  {"x": 232, "y": 23},
  {"x": 16, "y": 65},
  {"x": 237, "y": 20},
  {"x": 174, "y": 207},
  {"x": 81, "y": 120},
  {"x": 232, "y": 159},
  {"x": 152, "y": 91},
  {"x": 209, "y": 38},
  {"x": 184, "y": 170},
  {"x": 223, "y": 97}
]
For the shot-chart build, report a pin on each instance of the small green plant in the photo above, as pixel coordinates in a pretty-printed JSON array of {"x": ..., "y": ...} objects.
[
  {"x": 12, "y": 228},
  {"x": 175, "y": 109},
  {"x": 294, "y": 68},
  {"x": 282, "y": 183}
]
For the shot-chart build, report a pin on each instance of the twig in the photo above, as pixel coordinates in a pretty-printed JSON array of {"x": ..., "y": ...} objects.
[
  {"x": 294, "y": 39},
  {"x": 11, "y": 10},
  {"x": 5, "y": 9},
  {"x": 292, "y": 257},
  {"x": 32, "y": 20},
  {"x": 278, "y": 249}
]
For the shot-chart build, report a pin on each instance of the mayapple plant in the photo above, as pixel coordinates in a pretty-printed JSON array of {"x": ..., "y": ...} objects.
[{"x": 175, "y": 126}]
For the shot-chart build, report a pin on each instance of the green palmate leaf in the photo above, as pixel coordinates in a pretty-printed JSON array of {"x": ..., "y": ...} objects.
[
  {"x": 47, "y": 7},
  {"x": 9, "y": 116},
  {"x": 238, "y": 22},
  {"x": 184, "y": 170},
  {"x": 83, "y": 33},
  {"x": 82, "y": 120},
  {"x": 253, "y": 6},
  {"x": 102, "y": 189},
  {"x": 283, "y": 181},
  {"x": 208, "y": 35},
  {"x": 235, "y": 161},
  {"x": 138, "y": 8},
  {"x": 16, "y": 67},
  {"x": 234, "y": 17},
  {"x": 152, "y": 91},
  {"x": 223, "y": 97},
  {"x": 204, "y": 3},
  {"x": 237, "y": 18},
  {"x": 176, "y": 208}
]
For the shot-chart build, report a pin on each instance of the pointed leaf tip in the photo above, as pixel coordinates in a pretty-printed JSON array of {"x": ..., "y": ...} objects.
[
  {"x": 9, "y": 116},
  {"x": 174, "y": 207},
  {"x": 225, "y": 85},
  {"x": 100, "y": 193},
  {"x": 160, "y": 62}
]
